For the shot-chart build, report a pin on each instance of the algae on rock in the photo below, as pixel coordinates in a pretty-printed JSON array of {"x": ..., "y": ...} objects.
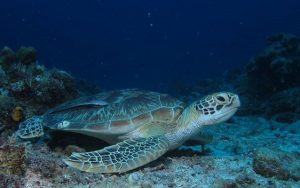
[
  {"x": 276, "y": 163},
  {"x": 12, "y": 160}
]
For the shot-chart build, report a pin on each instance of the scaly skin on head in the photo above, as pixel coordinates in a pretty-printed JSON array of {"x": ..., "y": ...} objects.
[{"x": 212, "y": 109}]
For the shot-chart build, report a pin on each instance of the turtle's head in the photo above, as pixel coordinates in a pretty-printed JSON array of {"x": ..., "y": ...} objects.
[{"x": 215, "y": 108}]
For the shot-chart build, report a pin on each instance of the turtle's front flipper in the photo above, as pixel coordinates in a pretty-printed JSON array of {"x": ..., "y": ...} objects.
[
  {"x": 122, "y": 157},
  {"x": 202, "y": 138},
  {"x": 31, "y": 128}
]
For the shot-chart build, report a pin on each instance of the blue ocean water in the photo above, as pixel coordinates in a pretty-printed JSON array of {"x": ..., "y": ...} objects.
[{"x": 142, "y": 43}]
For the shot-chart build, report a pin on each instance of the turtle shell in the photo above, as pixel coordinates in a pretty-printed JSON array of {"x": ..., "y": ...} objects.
[{"x": 113, "y": 113}]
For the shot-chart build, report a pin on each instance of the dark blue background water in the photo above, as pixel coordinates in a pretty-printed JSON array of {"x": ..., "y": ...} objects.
[{"x": 145, "y": 43}]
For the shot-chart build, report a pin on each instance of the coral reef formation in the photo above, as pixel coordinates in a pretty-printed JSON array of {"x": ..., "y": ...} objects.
[
  {"x": 24, "y": 78},
  {"x": 28, "y": 88},
  {"x": 277, "y": 68},
  {"x": 27, "y": 55},
  {"x": 272, "y": 78}
]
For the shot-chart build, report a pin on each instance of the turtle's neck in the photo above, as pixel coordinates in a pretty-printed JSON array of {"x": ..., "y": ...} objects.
[{"x": 186, "y": 127}]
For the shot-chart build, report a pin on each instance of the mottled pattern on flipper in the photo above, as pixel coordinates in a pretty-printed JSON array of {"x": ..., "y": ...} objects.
[
  {"x": 122, "y": 157},
  {"x": 31, "y": 128}
]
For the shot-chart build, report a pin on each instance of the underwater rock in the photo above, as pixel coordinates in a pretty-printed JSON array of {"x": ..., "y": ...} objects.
[
  {"x": 10, "y": 181},
  {"x": 284, "y": 101},
  {"x": 3, "y": 77},
  {"x": 277, "y": 163},
  {"x": 135, "y": 178},
  {"x": 294, "y": 127},
  {"x": 284, "y": 120},
  {"x": 25, "y": 83},
  {"x": 7, "y": 57},
  {"x": 12, "y": 160},
  {"x": 53, "y": 88},
  {"x": 27, "y": 55},
  {"x": 4, "y": 92},
  {"x": 28, "y": 81},
  {"x": 270, "y": 82},
  {"x": 7, "y": 105},
  {"x": 277, "y": 68},
  {"x": 18, "y": 88}
]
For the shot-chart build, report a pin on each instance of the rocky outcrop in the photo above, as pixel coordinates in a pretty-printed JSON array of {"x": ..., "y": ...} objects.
[{"x": 276, "y": 163}]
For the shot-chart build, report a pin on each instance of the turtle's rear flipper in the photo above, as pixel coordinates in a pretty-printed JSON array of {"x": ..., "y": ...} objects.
[
  {"x": 122, "y": 157},
  {"x": 31, "y": 128}
]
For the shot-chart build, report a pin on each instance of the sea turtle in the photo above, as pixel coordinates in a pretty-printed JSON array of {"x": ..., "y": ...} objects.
[{"x": 140, "y": 125}]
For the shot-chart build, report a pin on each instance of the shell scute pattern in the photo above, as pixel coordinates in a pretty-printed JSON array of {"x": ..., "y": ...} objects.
[
  {"x": 125, "y": 111},
  {"x": 136, "y": 104}
]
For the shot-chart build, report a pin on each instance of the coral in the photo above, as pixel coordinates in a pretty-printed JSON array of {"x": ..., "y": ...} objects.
[
  {"x": 18, "y": 88},
  {"x": 277, "y": 68},
  {"x": 10, "y": 181},
  {"x": 7, "y": 57},
  {"x": 17, "y": 114},
  {"x": 4, "y": 92},
  {"x": 284, "y": 101},
  {"x": 31, "y": 83},
  {"x": 53, "y": 87},
  {"x": 27, "y": 55},
  {"x": 12, "y": 160},
  {"x": 3, "y": 77},
  {"x": 45, "y": 167},
  {"x": 6, "y": 106},
  {"x": 276, "y": 163},
  {"x": 28, "y": 88},
  {"x": 270, "y": 82}
]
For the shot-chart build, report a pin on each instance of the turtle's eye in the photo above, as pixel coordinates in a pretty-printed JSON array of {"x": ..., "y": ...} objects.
[{"x": 222, "y": 98}]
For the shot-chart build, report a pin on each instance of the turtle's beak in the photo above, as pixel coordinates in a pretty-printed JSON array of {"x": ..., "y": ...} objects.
[
  {"x": 229, "y": 110},
  {"x": 236, "y": 101}
]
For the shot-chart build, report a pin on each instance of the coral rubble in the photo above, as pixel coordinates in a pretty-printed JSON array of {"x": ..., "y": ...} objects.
[{"x": 12, "y": 160}]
